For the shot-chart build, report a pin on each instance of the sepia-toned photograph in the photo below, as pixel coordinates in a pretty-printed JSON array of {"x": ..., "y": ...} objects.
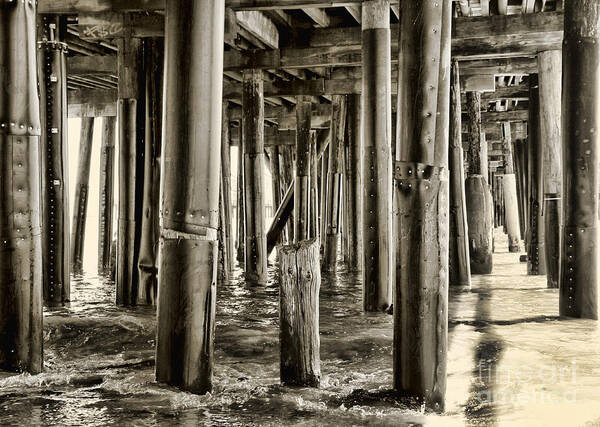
[{"x": 300, "y": 213}]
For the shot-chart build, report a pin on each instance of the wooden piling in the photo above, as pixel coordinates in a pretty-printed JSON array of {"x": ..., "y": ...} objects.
[
  {"x": 253, "y": 145},
  {"x": 299, "y": 284},
  {"x": 377, "y": 159},
  {"x": 287, "y": 204},
  {"x": 54, "y": 203},
  {"x": 241, "y": 215},
  {"x": 149, "y": 228},
  {"x": 131, "y": 119},
  {"x": 107, "y": 178},
  {"x": 509, "y": 186},
  {"x": 536, "y": 257},
  {"x": 226, "y": 183},
  {"x": 478, "y": 196},
  {"x": 315, "y": 218},
  {"x": 459, "y": 268},
  {"x": 334, "y": 182},
  {"x": 421, "y": 202},
  {"x": 302, "y": 179},
  {"x": 20, "y": 247},
  {"x": 355, "y": 184},
  {"x": 190, "y": 193},
  {"x": 520, "y": 162},
  {"x": 579, "y": 274},
  {"x": 82, "y": 186},
  {"x": 550, "y": 86}
]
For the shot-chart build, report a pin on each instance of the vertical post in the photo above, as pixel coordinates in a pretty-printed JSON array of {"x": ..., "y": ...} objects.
[
  {"x": 299, "y": 282},
  {"x": 581, "y": 116},
  {"x": 314, "y": 189},
  {"x": 149, "y": 232},
  {"x": 241, "y": 211},
  {"x": 509, "y": 186},
  {"x": 226, "y": 181},
  {"x": 20, "y": 247},
  {"x": 52, "y": 72},
  {"x": 520, "y": 161},
  {"x": 377, "y": 159},
  {"x": 323, "y": 208},
  {"x": 421, "y": 202},
  {"x": 536, "y": 258},
  {"x": 107, "y": 165},
  {"x": 355, "y": 184},
  {"x": 275, "y": 164},
  {"x": 334, "y": 181},
  {"x": 550, "y": 86},
  {"x": 131, "y": 114},
  {"x": 478, "y": 196},
  {"x": 190, "y": 193},
  {"x": 253, "y": 144},
  {"x": 459, "y": 269},
  {"x": 302, "y": 182},
  {"x": 82, "y": 185}
]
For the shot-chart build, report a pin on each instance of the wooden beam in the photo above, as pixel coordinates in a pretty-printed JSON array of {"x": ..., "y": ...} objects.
[
  {"x": 507, "y": 34},
  {"x": 106, "y": 25},
  {"x": 318, "y": 16},
  {"x": 355, "y": 11},
  {"x": 92, "y": 65},
  {"x": 261, "y": 27},
  {"x": 77, "y": 6},
  {"x": 507, "y": 66}
]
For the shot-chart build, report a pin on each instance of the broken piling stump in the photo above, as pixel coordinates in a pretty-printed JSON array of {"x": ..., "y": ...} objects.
[{"x": 299, "y": 284}]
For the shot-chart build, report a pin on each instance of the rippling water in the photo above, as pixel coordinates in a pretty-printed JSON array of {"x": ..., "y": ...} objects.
[{"x": 511, "y": 361}]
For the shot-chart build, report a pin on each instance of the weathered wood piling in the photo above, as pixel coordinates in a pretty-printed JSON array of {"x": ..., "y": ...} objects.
[
  {"x": 334, "y": 182},
  {"x": 107, "y": 179},
  {"x": 354, "y": 187},
  {"x": 377, "y": 160},
  {"x": 253, "y": 146},
  {"x": 536, "y": 257},
  {"x": 21, "y": 278},
  {"x": 190, "y": 193},
  {"x": 150, "y": 162},
  {"x": 421, "y": 202},
  {"x": 550, "y": 86},
  {"x": 303, "y": 163},
  {"x": 82, "y": 187},
  {"x": 131, "y": 119},
  {"x": 299, "y": 284},
  {"x": 54, "y": 203},
  {"x": 478, "y": 196},
  {"x": 459, "y": 265},
  {"x": 509, "y": 188},
  {"x": 226, "y": 187},
  {"x": 579, "y": 275}
]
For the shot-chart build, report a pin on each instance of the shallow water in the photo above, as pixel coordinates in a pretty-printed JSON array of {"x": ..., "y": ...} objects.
[{"x": 511, "y": 361}]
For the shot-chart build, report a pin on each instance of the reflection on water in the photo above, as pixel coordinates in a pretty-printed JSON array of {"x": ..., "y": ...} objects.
[{"x": 512, "y": 361}]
